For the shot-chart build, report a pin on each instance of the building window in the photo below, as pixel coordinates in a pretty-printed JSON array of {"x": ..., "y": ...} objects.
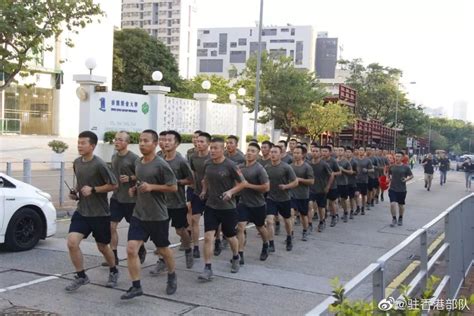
[
  {"x": 202, "y": 53},
  {"x": 205, "y": 32},
  {"x": 292, "y": 31},
  {"x": 222, "y": 43},
  {"x": 238, "y": 56},
  {"x": 168, "y": 41},
  {"x": 284, "y": 30},
  {"x": 198, "y": 42},
  {"x": 169, "y": 23},
  {"x": 170, "y": 14},
  {"x": 169, "y": 31},
  {"x": 277, "y": 53},
  {"x": 211, "y": 65},
  {"x": 209, "y": 45},
  {"x": 242, "y": 41},
  {"x": 299, "y": 53},
  {"x": 214, "y": 53},
  {"x": 292, "y": 54},
  {"x": 233, "y": 44},
  {"x": 254, "y": 47},
  {"x": 282, "y": 41},
  {"x": 269, "y": 32}
]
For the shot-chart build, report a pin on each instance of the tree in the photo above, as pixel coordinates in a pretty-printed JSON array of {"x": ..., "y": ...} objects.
[
  {"x": 455, "y": 134},
  {"x": 331, "y": 117},
  {"x": 285, "y": 92},
  {"x": 26, "y": 25},
  {"x": 136, "y": 56},
  {"x": 219, "y": 86}
]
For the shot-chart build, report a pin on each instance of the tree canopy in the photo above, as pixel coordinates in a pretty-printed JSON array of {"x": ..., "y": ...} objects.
[
  {"x": 285, "y": 91},
  {"x": 26, "y": 26},
  {"x": 136, "y": 56},
  {"x": 219, "y": 86}
]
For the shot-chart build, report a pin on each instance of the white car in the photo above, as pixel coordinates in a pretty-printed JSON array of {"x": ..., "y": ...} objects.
[{"x": 26, "y": 214}]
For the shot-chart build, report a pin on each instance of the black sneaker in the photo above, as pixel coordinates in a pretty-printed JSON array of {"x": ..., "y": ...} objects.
[
  {"x": 189, "y": 259},
  {"x": 196, "y": 253},
  {"x": 217, "y": 248},
  {"x": 372, "y": 204},
  {"x": 206, "y": 275},
  {"x": 351, "y": 215},
  {"x": 142, "y": 254},
  {"x": 271, "y": 248},
  {"x": 337, "y": 218},
  {"x": 235, "y": 265},
  {"x": 362, "y": 212},
  {"x": 264, "y": 254},
  {"x": 333, "y": 221},
  {"x": 381, "y": 198},
  {"x": 76, "y": 283},
  {"x": 320, "y": 227},
  {"x": 289, "y": 245},
  {"x": 113, "y": 278},
  {"x": 394, "y": 222},
  {"x": 344, "y": 218},
  {"x": 132, "y": 292},
  {"x": 400, "y": 221},
  {"x": 171, "y": 284},
  {"x": 305, "y": 236},
  {"x": 357, "y": 211}
]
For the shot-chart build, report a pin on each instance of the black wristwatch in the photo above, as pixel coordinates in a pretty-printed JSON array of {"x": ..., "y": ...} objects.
[{"x": 93, "y": 190}]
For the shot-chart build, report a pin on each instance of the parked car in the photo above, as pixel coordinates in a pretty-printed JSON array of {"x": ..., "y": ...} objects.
[
  {"x": 26, "y": 214},
  {"x": 461, "y": 159}
]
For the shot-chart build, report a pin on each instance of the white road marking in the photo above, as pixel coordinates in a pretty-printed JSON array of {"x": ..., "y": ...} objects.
[{"x": 18, "y": 286}]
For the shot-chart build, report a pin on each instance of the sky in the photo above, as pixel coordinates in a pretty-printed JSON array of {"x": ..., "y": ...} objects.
[{"x": 432, "y": 42}]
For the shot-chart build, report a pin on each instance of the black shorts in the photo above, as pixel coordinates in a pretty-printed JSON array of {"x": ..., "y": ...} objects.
[
  {"x": 189, "y": 194},
  {"x": 333, "y": 195},
  {"x": 362, "y": 188},
  {"x": 300, "y": 205},
  {"x": 373, "y": 184},
  {"x": 178, "y": 217},
  {"x": 351, "y": 189},
  {"x": 254, "y": 215},
  {"x": 120, "y": 211},
  {"x": 98, "y": 226},
  {"x": 197, "y": 205},
  {"x": 228, "y": 218},
  {"x": 157, "y": 231},
  {"x": 343, "y": 191},
  {"x": 397, "y": 197},
  {"x": 283, "y": 208},
  {"x": 320, "y": 199}
]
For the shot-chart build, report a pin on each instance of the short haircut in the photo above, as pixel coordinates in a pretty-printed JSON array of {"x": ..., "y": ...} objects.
[
  {"x": 177, "y": 136},
  {"x": 253, "y": 140},
  {"x": 197, "y": 132},
  {"x": 217, "y": 140},
  {"x": 349, "y": 148},
  {"x": 206, "y": 135},
  {"x": 163, "y": 133},
  {"x": 293, "y": 140},
  {"x": 152, "y": 133},
  {"x": 400, "y": 152},
  {"x": 326, "y": 147},
  {"x": 254, "y": 145},
  {"x": 233, "y": 137},
  {"x": 304, "y": 144},
  {"x": 303, "y": 149},
  {"x": 127, "y": 139},
  {"x": 284, "y": 142},
  {"x": 91, "y": 135},
  {"x": 267, "y": 142},
  {"x": 275, "y": 146},
  {"x": 314, "y": 144}
]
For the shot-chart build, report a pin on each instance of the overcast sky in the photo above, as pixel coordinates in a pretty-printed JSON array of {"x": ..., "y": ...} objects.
[{"x": 431, "y": 41}]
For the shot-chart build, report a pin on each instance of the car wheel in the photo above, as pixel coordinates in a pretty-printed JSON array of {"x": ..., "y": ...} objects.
[{"x": 24, "y": 230}]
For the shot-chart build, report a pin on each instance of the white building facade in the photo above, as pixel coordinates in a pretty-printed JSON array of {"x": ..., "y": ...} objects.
[
  {"x": 460, "y": 110},
  {"x": 170, "y": 21},
  {"x": 224, "y": 51}
]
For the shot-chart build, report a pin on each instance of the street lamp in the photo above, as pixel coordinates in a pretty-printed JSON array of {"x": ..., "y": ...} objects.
[
  {"x": 396, "y": 114},
  {"x": 241, "y": 92},
  {"x": 206, "y": 85},
  {"x": 157, "y": 75},
  {"x": 232, "y": 97},
  {"x": 257, "y": 77},
  {"x": 91, "y": 64}
]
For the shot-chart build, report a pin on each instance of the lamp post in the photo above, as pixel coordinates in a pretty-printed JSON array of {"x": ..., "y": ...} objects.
[
  {"x": 396, "y": 115},
  {"x": 257, "y": 79},
  {"x": 91, "y": 64},
  {"x": 206, "y": 85}
]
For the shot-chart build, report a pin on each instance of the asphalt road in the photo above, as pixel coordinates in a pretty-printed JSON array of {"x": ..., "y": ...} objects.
[{"x": 287, "y": 283}]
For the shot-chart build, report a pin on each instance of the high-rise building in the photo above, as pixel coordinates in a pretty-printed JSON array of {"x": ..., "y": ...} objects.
[
  {"x": 170, "y": 21},
  {"x": 326, "y": 56},
  {"x": 460, "y": 110},
  {"x": 224, "y": 51}
]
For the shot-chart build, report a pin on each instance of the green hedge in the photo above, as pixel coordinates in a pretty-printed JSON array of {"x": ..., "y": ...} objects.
[
  {"x": 260, "y": 138},
  {"x": 185, "y": 138}
]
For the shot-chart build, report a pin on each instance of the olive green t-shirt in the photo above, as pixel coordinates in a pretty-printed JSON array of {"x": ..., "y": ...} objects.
[
  {"x": 254, "y": 174},
  {"x": 398, "y": 172},
  {"x": 197, "y": 166},
  {"x": 93, "y": 173},
  {"x": 342, "y": 179},
  {"x": 151, "y": 206},
  {"x": 221, "y": 177},
  {"x": 279, "y": 174},
  {"x": 123, "y": 165},
  {"x": 322, "y": 172},
  {"x": 305, "y": 172},
  {"x": 332, "y": 162},
  {"x": 238, "y": 157},
  {"x": 182, "y": 171}
]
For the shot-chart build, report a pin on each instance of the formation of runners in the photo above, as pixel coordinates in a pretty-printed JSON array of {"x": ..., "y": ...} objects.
[{"x": 270, "y": 186}]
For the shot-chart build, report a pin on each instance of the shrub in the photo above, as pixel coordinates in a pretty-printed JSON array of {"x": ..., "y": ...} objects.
[
  {"x": 260, "y": 138},
  {"x": 58, "y": 146}
]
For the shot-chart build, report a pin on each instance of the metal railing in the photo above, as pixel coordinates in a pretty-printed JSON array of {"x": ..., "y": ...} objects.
[
  {"x": 457, "y": 250},
  {"x": 49, "y": 177}
]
